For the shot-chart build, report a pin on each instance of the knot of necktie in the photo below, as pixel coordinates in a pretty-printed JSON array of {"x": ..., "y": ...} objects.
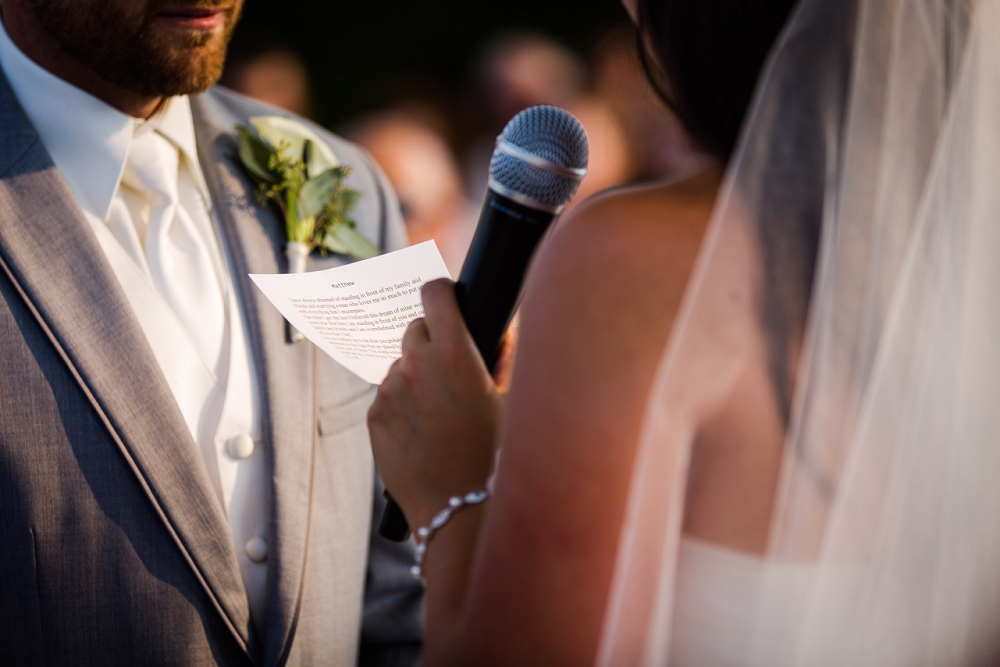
[
  {"x": 176, "y": 241},
  {"x": 153, "y": 169}
]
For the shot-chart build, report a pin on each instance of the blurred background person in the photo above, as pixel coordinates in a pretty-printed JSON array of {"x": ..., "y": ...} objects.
[
  {"x": 426, "y": 176},
  {"x": 522, "y": 69},
  {"x": 276, "y": 75},
  {"x": 462, "y": 72}
]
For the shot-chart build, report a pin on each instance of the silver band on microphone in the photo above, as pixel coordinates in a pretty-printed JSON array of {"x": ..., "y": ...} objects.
[
  {"x": 503, "y": 190},
  {"x": 541, "y": 163}
]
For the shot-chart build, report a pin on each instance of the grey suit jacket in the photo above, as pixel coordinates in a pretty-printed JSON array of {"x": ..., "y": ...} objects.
[{"x": 113, "y": 548}]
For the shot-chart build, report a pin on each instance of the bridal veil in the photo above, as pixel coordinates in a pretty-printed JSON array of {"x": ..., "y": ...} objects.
[{"x": 855, "y": 251}]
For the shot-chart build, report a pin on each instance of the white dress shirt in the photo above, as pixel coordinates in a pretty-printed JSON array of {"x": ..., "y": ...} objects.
[{"x": 90, "y": 143}]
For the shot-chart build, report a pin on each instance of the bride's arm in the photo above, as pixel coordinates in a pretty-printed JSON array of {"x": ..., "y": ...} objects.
[{"x": 525, "y": 579}]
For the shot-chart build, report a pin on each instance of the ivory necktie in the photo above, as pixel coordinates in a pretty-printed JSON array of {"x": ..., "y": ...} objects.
[{"x": 179, "y": 261}]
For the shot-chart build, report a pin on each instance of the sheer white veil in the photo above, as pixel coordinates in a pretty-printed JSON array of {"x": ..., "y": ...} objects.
[{"x": 855, "y": 251}]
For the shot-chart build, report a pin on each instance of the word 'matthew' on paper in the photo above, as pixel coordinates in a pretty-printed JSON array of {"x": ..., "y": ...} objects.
[{"x": 357, "y": 313}]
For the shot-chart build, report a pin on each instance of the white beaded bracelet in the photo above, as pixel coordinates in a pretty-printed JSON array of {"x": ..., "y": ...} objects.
[{"x": 424, "y": 534}]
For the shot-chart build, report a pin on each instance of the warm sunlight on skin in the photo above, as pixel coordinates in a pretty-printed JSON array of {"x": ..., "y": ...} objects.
[
  {"x": 590, "y": 344},
  {"x": 632, "y": 7}
]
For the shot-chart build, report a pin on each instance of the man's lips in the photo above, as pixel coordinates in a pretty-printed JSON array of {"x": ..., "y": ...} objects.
[{"x": 200, "y": 18}]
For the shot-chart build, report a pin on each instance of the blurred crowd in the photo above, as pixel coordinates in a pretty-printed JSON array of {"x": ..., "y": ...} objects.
[{"x": 435, "y": 147}]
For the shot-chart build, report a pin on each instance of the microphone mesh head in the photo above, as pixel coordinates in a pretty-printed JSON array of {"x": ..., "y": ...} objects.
[{"x": 550, "y": 133}]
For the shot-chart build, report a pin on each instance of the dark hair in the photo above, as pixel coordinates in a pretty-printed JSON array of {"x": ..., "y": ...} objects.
[{"x": 703, "y": 58}]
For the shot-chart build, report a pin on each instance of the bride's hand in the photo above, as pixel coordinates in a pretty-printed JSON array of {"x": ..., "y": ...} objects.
[{"x": 433, "y": 423}]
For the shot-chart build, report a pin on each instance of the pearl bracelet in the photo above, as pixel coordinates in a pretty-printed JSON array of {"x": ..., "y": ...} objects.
[{"x": 424, "y": 534}]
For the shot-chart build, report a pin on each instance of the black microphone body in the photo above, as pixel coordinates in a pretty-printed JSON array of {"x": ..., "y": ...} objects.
[
  {"x": 536, "y": 169},
  {"x": 489, "y": 287}
]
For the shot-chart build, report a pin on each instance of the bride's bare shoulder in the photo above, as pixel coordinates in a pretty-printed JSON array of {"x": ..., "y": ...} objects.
[
  {"x": 677, "y": 197},
  {"x": 651, "y": 231}
]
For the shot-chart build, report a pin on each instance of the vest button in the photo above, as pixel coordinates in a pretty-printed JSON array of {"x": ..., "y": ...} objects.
[
  {"x": 256, "y": 550},
  {"x": 241, "y": 447}
]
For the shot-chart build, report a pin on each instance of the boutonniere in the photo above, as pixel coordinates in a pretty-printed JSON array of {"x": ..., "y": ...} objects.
[{"x": 299, "y": 172}]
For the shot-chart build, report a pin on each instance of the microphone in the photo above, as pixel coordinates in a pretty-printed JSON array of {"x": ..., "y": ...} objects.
[{"x": 537, "y": 166}]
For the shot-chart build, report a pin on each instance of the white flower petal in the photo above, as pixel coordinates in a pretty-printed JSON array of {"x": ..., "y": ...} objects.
[{"x": 275, "y": 129}]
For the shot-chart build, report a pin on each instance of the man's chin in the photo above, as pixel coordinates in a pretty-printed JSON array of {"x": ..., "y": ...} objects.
[
  {"x": 185, "y": 57},
  {"x": 182, "y": 72},
  {"x": 162, "y": 48}
]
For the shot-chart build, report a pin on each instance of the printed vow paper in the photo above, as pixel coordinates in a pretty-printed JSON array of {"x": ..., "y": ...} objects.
[{"x": 357, "y": 313}]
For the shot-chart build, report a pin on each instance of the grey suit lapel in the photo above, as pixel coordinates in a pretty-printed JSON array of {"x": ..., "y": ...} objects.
[
  {"x": 286, "y": 371},
  {"x": 48, "y": 250}
]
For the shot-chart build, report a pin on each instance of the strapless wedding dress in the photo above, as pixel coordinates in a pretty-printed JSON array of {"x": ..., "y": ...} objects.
[{"x": 715, "y": 606}]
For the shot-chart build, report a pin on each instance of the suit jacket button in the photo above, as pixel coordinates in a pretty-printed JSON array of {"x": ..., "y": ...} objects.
[
  {"x": 241, "y": 447},
  {"x": 256, "y": 550}
]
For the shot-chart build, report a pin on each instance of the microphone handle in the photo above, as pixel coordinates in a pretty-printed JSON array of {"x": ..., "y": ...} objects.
[
  {"x": 489, "y": 287},
  {"x": 393, "y": 525},
  {"x": 488, "y": 291}
]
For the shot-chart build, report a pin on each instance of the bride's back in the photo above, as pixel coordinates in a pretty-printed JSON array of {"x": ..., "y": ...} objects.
[
  {"x": 874, "y": 134},
  {"x": 599, "y": 306}
]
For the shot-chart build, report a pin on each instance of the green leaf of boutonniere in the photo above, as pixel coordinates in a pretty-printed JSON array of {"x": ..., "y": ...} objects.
[
  {"x": 255, "y": 154},
  {"x": 318, "y": 191},
  {"x": 318, "y": 158},
  {"x": 299, "y": 172},
  {"x": 349, "y": 241}
]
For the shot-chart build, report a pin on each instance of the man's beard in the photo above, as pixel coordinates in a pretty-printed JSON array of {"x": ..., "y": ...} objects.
[{"x": 121, "y": 48}]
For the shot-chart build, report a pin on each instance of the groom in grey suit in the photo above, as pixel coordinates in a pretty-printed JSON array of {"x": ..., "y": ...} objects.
[{"x": 119, "y": 538}]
